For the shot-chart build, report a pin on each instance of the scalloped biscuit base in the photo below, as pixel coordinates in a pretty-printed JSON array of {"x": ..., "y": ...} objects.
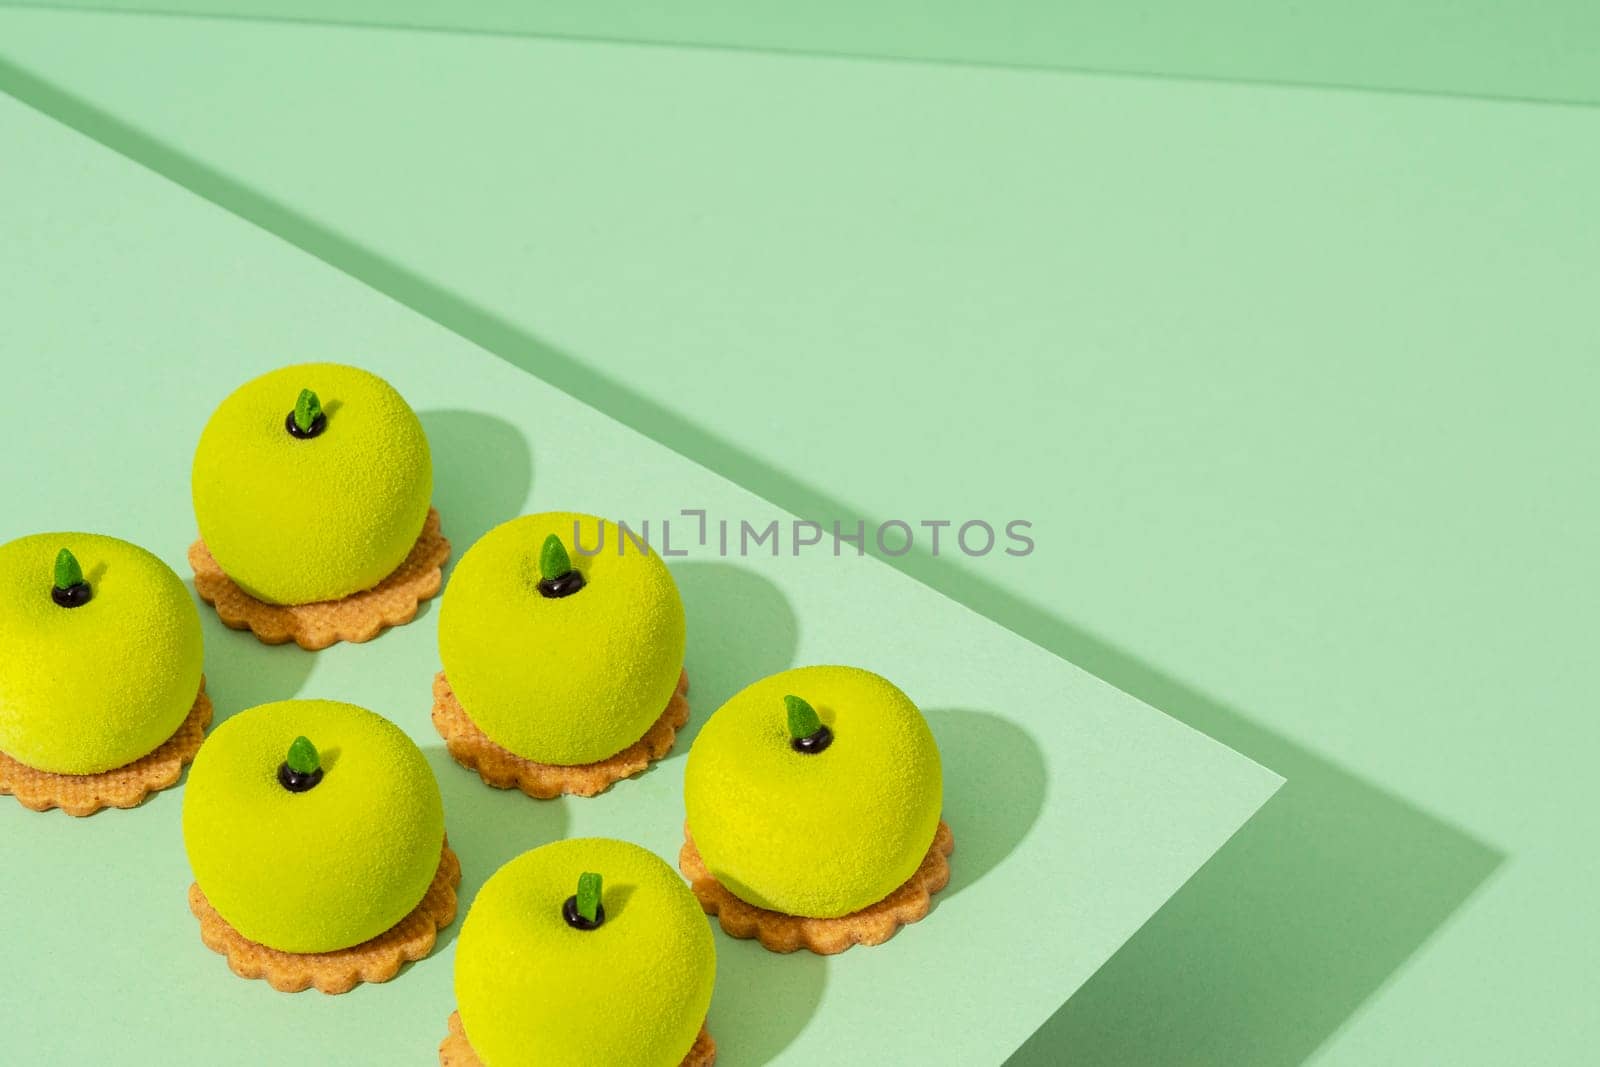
[
  {"x": 121, "y": 787},
  {"x": 777, "y": 932},
  {"x": 375, "y": 960},
  {"x": 456, "y": 1051},
  {"x": 356, "y": 618},
  {"x": 473, "y": 749}
]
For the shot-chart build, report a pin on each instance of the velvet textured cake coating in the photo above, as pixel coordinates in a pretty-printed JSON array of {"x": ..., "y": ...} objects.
[
  {"x": 564, "y": 679},
  {"x": 821, "y": 833},
  {"x": 295, "y": 519},
  {"x": 533, "y": 989},
  {"x": 93, "y": 686},
  {"x": 312, "y": 868}
]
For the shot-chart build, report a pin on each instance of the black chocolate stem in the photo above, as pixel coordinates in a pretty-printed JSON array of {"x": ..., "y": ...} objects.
[
  {"x": 295, "y": 781},
  {"x": 575, "y": 919},
  {"x": 562, "y": 585},
  {"x": 815, "y": 743},
  {"x": 318, "y": 424},
  {"x": 73, "y": 596}
]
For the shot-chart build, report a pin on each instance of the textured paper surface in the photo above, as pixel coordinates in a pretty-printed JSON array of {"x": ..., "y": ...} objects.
[
  {"x": 1301, "y": 383},
  {"x": 131, "y": 307}
]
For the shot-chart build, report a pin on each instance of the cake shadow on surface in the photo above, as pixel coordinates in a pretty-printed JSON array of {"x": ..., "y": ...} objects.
[
  {"x": 741, "y": 627},
  {"x": 482, "y": 473},
  {"x": 241, "y": 672},
  {"x": 482, "y": 476},
  {"x": 488, "y": 827},
  {"x": 994, "y": 784},
  {"x": 762, "y": 1000}
]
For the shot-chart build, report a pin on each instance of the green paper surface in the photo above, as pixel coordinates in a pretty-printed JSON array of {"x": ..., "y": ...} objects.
[
  {"x": 1298, "y": 387},
  {"x": 139, "y": 292},
  {"x": 1541, "y": 49}
]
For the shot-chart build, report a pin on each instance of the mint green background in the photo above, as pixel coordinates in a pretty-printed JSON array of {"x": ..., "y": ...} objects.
[
  {"x": 1298, "y": 386},
  {"x": 130, "y": 307},
  {"x": 1537, "y": 49}
]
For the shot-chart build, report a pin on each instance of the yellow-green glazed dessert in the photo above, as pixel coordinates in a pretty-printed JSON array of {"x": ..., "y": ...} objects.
[
  {"x": 315, "y": 829},
  {"x": 813, "y": 799},
  {"x": 311, "y": 489},
  {"x": 582, "y": 952},
  {"x": 562, "y": 646},
  {"x": 100, "y": 668}
]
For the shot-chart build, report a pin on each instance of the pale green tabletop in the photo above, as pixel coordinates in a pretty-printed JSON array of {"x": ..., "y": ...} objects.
[
  {"x": 132, "y": 306},
  {"x": 1296, "y": 384}
]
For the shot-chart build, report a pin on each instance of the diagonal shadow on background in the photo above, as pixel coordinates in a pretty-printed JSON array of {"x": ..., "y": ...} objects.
[
  {"x": 1286, "y": 931},
  {"x": 1266, "y": 951}
]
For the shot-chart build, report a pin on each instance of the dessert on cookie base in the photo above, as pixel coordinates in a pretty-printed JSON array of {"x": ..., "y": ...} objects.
[
  {"x": 317, "y": 863},
  {"x": 581, "y": 952},
  {"x": 813, "y": 799},
  {"x": 311, "y": 489},
  {"x": 102, "y": 700},
  {"x": 562, "y": 673}
]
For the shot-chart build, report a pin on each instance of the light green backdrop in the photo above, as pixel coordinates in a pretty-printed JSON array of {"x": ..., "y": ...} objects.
[
  {"x": 1298, "y": 386},
  {"x": 1535, "y": 49}
]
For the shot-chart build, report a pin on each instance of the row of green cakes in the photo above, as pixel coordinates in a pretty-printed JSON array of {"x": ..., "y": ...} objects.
[{"x": 813, "y": 797}]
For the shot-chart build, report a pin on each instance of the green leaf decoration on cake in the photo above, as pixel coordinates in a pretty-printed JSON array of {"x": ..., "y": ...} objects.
[
  {"x": 589, "y": 895},
  {"x": 803, "y": 718},
  {"x": 303, "y": 757},
  {"x": 68, "y": 573},
  {"x": 553, "y": 559},
  {"x": 306, "y": 410}
]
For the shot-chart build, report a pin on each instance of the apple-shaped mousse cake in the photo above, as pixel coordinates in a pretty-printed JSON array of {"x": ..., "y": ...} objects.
[
  {"x": 582, "y": 952},
  {"x": 101, "y": 697},
  {"x": 316, "y": 835},
  {"x": 311, "y": 490},
  {"x": 813, "y": 799},
  {"x": 563, "y": 670}
]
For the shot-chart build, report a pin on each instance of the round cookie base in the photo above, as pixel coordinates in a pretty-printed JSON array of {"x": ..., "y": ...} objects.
[
  {"x": 376, "y": 960},
  {"x": 456, "y": 1051},
  {"x": 778, "y": 932},
  {"x": 356, "y": 618},
  {"x": 472, "y": 748},
  {"x": 121, "y": 787}
]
